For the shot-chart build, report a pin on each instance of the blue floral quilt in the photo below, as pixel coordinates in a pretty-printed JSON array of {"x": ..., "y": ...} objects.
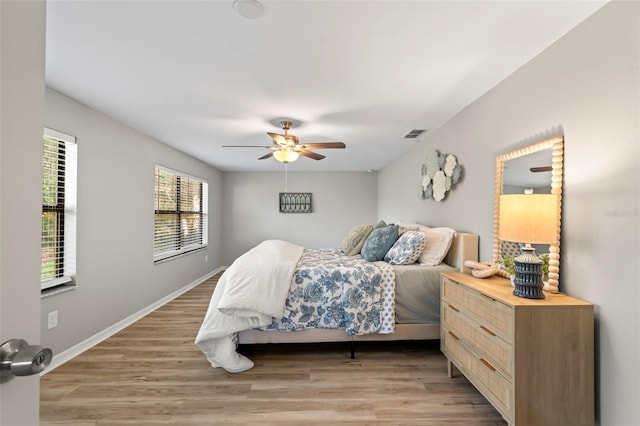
[{"x": 331, "y": 290}]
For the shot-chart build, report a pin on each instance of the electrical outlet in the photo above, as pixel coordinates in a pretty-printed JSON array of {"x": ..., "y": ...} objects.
[{"x": 52, "y": 320}]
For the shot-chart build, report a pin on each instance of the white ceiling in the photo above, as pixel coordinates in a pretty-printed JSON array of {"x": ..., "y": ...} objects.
[{"x": 196, "y": 75}]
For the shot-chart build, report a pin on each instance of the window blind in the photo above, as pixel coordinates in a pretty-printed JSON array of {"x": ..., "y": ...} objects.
[
  {"x": 180, "y": 213},
  {"x": 59, "y": 158}
]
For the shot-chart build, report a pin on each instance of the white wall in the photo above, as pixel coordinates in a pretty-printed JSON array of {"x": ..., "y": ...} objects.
[
  {"x": 586, "y": 87},
  {"x": 116, "y": 276},
  {"x": 250, "y": 211},
  {"x": 22, "y": 53}
]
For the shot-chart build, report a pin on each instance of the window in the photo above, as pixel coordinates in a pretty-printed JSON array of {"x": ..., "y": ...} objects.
[
  {"x": 58, "y": 240},
  {"x": 180, "y": 214}
]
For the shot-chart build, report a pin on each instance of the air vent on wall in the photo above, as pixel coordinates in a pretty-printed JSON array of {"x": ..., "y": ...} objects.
[{"x": 413, "y": 134}]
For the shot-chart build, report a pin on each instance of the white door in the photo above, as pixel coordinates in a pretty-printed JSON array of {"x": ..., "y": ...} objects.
[{"x": 22, "y": 41}]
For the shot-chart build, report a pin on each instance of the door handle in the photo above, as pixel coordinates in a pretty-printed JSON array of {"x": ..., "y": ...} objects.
[{"x": 19, "y": 358}]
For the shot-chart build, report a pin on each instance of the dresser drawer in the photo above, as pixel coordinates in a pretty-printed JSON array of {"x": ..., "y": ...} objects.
[
  {"x": 485, "y": 310},
  {"x": 480, "y": 338},
  {"x": 496, "y": 388}
]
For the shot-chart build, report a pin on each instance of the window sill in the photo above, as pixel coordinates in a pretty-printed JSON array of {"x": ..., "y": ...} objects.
[
  {"x": 178, "y": 255},
  {"x": 57, "y": 286}
]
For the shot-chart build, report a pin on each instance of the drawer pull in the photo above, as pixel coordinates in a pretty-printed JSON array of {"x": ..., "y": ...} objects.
[
  {"x": 486, "y": 364},
  {"x": 453, "y": 335},
  {"x": 487, "y": 297},
  {"x": 454, "y": 308},
  {"x": 486, "y": 330}
]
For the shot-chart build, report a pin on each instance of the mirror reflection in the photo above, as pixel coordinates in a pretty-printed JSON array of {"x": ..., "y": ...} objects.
[
  {"x": 535, "y": 169},
  {"x": 529, "y": 174}
]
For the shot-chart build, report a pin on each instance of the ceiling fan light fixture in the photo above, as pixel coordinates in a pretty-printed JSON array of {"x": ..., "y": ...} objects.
[
  {"x": 249, "y": 9},
  {"x": 286, "y": 155}
]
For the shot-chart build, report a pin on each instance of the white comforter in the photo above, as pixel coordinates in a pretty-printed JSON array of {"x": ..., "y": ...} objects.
[{"x": 250, "y": 293}]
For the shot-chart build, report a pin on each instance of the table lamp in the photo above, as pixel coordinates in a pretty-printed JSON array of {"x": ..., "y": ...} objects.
[{"x": 529, "y": 219}]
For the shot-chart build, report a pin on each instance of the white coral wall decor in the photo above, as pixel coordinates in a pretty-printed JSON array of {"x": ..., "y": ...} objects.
[{"x": 440, "y": 172}]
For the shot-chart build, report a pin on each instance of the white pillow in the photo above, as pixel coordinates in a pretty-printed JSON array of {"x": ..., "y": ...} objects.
[
  {"x": 404, "y": 227},
  {"x": 437, "y": 245},
  {"x": 423, "y": 228}
]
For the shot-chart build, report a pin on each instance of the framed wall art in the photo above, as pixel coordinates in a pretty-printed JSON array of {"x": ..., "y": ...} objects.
[{"x": 295, "y": 202}]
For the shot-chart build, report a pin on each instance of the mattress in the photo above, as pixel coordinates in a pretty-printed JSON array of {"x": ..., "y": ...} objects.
[{"x": 418, "y": 293}]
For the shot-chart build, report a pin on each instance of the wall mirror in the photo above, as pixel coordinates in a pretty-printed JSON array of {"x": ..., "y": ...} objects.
[{"x": 536, "y": 168}]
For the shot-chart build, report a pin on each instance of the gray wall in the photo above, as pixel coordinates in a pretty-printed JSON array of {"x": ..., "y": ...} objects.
[
  {"x": 116, "y": 276},
  {"x": 22, "y": 87},
  {"x": 586, "y": 86},
  {"x": 250, "y": 211}
]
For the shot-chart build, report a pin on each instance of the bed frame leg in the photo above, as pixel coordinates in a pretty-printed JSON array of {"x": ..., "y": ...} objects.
[{"x": 352, "y": 347}]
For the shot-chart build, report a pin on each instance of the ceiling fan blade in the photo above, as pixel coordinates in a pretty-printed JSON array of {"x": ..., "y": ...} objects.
[
  {"x": 323, "y": 145},
  {"x": 310, "y": 154},
  {"x": 269, "y": 154},
  {"x": 541, "y": 169},
  {"x": 279, "y": 139}
]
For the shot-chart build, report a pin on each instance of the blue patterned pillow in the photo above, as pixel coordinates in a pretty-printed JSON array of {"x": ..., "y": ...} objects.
[
  {"x": 407, "y": 249},
  {"x": 379, "y": 242}
]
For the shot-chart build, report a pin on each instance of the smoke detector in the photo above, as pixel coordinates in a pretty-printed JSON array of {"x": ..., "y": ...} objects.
[{"x": 249, "y": 9}]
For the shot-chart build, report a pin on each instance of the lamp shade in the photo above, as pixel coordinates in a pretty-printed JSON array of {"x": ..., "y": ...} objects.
[
  {"x": 529, "y": 218},
  {"x": 285, "y": 155}
]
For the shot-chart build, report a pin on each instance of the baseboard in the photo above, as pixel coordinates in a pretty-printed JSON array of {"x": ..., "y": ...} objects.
[{"x": 74, "y": 351}]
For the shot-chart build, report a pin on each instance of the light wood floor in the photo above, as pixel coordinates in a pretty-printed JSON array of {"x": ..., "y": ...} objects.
[{"x": 152, "y": 373}]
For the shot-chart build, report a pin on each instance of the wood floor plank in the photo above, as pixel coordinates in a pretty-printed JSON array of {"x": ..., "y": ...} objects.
[{"x": 151, "y": 373}]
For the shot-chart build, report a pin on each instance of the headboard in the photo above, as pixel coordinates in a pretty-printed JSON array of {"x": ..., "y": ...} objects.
[{"x": 463, "y": 247}]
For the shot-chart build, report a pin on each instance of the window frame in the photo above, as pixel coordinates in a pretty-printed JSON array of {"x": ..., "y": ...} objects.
[
  {"x": 181, "y": 247},
  {"x": 65, "y": 209}
]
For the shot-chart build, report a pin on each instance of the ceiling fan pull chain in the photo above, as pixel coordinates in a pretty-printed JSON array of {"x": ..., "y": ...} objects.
[{"x": 286, "y": 168}]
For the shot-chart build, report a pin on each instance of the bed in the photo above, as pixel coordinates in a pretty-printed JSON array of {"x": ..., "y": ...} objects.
[
  {"x": 410, "y": 324},
  {"x": 249, "y": 299}
]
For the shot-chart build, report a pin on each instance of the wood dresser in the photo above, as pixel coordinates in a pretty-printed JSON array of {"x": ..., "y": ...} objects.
[{"x": 532, "y": 359}]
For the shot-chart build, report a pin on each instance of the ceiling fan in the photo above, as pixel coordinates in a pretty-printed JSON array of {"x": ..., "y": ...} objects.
[
  {"x": 286, "y": 147},
  {"x": 540, "y": 169}
]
